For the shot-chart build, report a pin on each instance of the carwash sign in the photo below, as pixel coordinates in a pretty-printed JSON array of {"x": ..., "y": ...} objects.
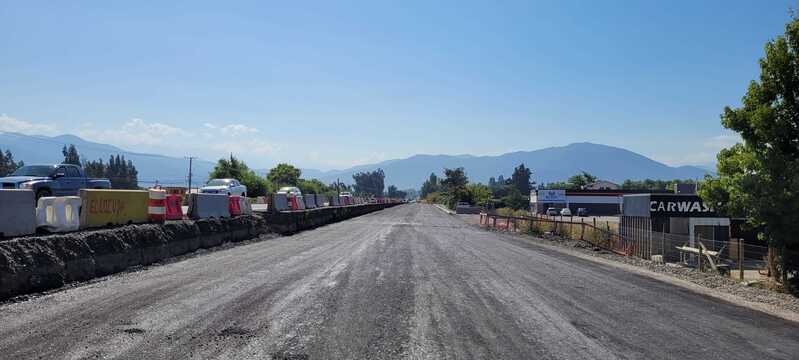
[
  {"x": 552, "y": 196},
  {"x": 679, "y": 206}
]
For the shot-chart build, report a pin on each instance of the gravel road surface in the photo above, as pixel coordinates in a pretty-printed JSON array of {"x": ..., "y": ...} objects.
[{"x": 406, "y": 282}]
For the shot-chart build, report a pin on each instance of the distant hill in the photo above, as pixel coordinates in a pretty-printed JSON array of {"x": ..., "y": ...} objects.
[
  {"x": 549, "y": 164},
  {"x": 44, "y": 149}
]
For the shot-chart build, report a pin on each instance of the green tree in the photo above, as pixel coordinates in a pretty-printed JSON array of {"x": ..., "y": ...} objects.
[
  {"x": 94, "y": 168},
  {"x": 395, "y": 193},
  {"x": 120, "y": 172},
  {"x": 370, "y": 182},
  {"x": 521, "y": 179},
  {"x": 454, "y": 184},
  {"x": 233, "y": 168},
  {"x": 430, "y": 185},
  {"x": 312, "y": 186},
  {"x": 7, "y": 164},
  {"x": 759, "y": 178},
  {"x": 478, "y": 194},
  {"x": 284, "y": 175},
  {"x": 70, "y": 155},
  {"x": 581, "y": 180},
  {"x": 516, "y": 200}
]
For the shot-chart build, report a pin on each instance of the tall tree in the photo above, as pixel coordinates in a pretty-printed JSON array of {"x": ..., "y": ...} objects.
[
  {"x": 521, "y": 179},
  {"x": 370, "y": 182},
  {"x": 120, "y": 172},
  {"x": 70, "y": 155},
  {"x": 430, "y": 185},
  {"x": 759, "y": 178},
  {"x": 284, "y": 175},
  {"x": 7, "y": 164},
  {"x": 454, "y": 184}
]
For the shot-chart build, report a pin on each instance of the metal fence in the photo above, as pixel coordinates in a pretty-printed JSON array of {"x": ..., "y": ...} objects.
[{"x": 742, "y": 261}]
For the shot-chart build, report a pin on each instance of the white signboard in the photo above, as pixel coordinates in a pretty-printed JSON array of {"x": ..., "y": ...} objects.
[{"x": 551, "y": 196}]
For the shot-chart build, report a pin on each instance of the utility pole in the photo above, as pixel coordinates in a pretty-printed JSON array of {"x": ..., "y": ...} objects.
[{"x": 190, "y": 159}]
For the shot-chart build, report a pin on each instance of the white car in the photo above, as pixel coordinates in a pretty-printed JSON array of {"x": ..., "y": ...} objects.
[
  {"x": 346, "y": 198},
  {"x": 224, "y": 186},
  {"x": 565, "y": 212},
  {"x": 290, "y": 191}
]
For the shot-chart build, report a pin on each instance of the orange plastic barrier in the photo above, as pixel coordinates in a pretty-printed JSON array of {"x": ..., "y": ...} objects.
[
  {"x": 234, "y": 205},
  {"x": 294, "y": 203},
  {"x": 174, "y": 207},
  {"x": 156, "y": 206}
]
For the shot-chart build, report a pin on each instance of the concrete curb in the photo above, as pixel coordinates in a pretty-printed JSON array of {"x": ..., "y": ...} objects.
[{"x": 442, "y": 208}]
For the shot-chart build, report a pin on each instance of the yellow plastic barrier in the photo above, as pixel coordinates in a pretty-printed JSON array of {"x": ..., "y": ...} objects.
[{"x": 113, "y": 207}]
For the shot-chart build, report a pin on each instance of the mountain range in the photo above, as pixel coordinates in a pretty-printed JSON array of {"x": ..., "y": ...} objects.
[{"x": 548, "y": 164}]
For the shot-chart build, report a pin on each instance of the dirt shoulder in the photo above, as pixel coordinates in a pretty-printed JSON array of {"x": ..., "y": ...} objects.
[{"x": 782, "y": 305}]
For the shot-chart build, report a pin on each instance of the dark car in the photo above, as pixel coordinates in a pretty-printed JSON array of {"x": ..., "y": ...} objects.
[{"x": 52, "y": 180}]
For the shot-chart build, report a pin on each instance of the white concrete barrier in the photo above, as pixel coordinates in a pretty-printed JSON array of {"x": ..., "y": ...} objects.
[
  {"x": 17, "y": 212},
  {"x": 310, "y": 201},
  {"x": 245, "y": 206},
  {"x": 58, "y": 214},
  {"x": 203, "y": 206},
  {"x": 280, "y": 202}
]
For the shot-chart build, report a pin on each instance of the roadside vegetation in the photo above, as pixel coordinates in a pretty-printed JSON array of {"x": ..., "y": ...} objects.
[
  {"x": 7, "y": 163},
  {"x": 758, "y": 178}
]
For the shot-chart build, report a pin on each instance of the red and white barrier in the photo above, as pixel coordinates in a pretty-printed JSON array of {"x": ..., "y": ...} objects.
[{"x": 156, "y": 207}]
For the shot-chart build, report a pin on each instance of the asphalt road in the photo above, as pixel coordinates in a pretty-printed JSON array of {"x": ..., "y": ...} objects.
[{"x": 406, "y": 282}]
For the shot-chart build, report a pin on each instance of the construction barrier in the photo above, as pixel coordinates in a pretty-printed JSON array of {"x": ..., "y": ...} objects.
[
  {"x": 234, "y": 205},
  {"x": 58, "y": 214},
  {"x": 321, "y": 200},
  {"x": 156, "y": 207},
  {"x": 174, "y": 207},
  {"x": 280, "y": 202},
  {"x": 17, "y": 212},
  {"x": 310, "y": 201},
  {"x": 245, "y": 206},
  {"x": 260, "y": 200},
  {"x": 202, "y": 206},
  {"x": 301, "y": 202},
  {"x": 335, "y": 201},
  {"x": 101, "y": 207}
]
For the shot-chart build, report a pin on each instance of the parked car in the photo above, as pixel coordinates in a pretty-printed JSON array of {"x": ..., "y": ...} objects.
[
  {"x": 553, "y": 211},
  {"x": 52, "y": 180},
  {"x": 345, "y": 198},
  {"x": 290, "y": 190},
  {"x": 466, "y": 208},
  {"x": 224, "y": 186},
  {"x": 565, "y": 212},
  {"x": 582, "y": 212}
]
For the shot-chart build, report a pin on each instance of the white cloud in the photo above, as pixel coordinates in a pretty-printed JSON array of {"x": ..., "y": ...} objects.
[
  {"x": 245, "y": 147},
  {"x": 136, "y": 132},
  {"x": 231, "y": 130},
  {"x": 10, "y": 124}
]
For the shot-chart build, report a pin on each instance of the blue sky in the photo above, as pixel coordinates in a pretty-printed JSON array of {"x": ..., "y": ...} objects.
[{"x": 334, "y": 84}]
